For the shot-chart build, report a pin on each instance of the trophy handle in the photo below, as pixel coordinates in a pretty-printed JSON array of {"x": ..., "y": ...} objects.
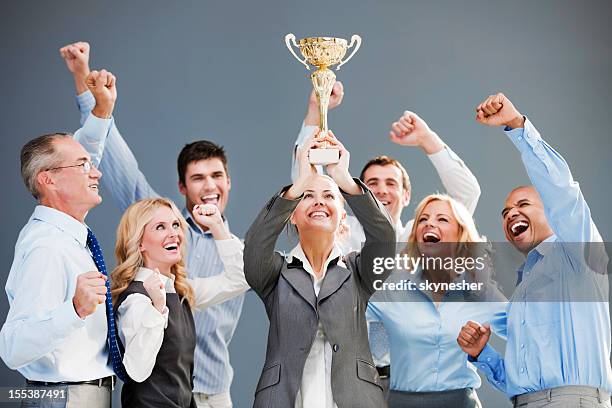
[
  {"x": 354, "y": 39},
  {"x": 291, "y": 38}
]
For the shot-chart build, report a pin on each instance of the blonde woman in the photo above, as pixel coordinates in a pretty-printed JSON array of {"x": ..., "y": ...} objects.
[
  {"x": 154, "y": 299},
  {"x": 318, "y": 354},
  {"x": 428, "y": 367}
]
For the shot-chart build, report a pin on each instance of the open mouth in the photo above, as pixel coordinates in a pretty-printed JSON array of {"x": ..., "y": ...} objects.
[
  {"x": 94, "y": 187},
  {"x": 431, "y": 237},
  {"x": 210, "y": 199},
  {"x": 518, "y": 228},
  {"x": 171, "y": 247},
  {"x": 318, "y": 214}
]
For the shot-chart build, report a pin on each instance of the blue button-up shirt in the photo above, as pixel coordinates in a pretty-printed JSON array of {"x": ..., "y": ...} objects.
[
  {"x": 556, "y": 335},
  {"x": 422, "y": 336},
  {"x": 215, "y": 325}
]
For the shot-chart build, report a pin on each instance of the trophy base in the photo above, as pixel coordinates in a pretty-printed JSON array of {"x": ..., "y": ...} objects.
[{"x": 324, "y": 156}]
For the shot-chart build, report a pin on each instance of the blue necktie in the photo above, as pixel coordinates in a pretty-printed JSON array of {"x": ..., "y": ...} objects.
[{"x": 98, "y": 258}]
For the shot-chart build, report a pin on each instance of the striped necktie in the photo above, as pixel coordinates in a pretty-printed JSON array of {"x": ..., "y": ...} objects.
[{"x": 115, "y": 354}]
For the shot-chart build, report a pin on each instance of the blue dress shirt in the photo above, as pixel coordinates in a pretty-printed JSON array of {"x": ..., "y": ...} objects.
[
  {"x": 425, "y": 355},
  {"x": 215, "y": 325},
  {"x": 556, "y": 337}
]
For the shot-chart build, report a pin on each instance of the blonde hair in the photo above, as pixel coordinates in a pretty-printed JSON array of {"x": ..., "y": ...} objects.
[
  {"x": 129, "y": 258},
  {"x": 468, "y": 234}
]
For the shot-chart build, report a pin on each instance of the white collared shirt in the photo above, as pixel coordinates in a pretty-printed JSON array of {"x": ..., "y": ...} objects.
[
  {"x": 141, "y": 325},
  {"x": 315, "y": 389},
  {"x": 43, "y": 337}
]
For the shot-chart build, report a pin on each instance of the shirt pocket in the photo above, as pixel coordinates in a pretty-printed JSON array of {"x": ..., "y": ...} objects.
[
  {"x": 367, "y": 372},
  {"x": 269, "y": 376}
]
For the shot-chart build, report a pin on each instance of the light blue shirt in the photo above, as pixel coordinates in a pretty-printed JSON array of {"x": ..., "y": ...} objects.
[
  {"x": 215, "y": 325},
  {"x": 559, "y": 341},
  {"x": 424, "y": 352},
  {"x": 43, "y": 338}
]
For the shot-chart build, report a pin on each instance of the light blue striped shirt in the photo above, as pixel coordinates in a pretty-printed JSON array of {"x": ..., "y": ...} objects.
[
  {"x": 556, "y": 336},
  {"x": 215, "y": 325}
]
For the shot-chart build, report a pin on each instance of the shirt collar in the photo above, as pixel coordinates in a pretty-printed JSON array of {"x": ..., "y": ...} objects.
[
  {"x": 143, "y": 273},
  {"x": 544, "y": 247},
  {"x": 298, "y": 252},
  {"x": 63, "y": 222}
]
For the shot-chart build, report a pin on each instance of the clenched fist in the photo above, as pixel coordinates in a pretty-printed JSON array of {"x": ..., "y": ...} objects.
[
  {"x": 156, "y": 290},
  {"x": 497, "y": 110},
  {"x": 102, "y": 86},
  {"x": 209, "y": 216},
  {"x": 90, "y": 292},
  {"x": 473, "y": 338},
  {"x": 76, "y": 56},
  {"x": 411, "y": 130}
]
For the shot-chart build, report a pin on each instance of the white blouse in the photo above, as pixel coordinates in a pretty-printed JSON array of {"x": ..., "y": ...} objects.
[
  {"x": 141, "y": 325},
  {"x": 315, "y": 388}
]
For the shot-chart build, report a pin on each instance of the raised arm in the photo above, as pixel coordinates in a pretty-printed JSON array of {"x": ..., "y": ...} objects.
[
  {"x": 458, "y": 180},
  {"x": 566, "y": 210},
  {"x": 110, "y": 152},
  {"x": 262, "y": 265},
  {"x": 377, "y": 226},
  {"x": 311, "y": 125}
]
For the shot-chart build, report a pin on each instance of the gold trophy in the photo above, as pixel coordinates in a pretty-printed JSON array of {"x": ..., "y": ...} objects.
[{"x": 323, "y": 52}]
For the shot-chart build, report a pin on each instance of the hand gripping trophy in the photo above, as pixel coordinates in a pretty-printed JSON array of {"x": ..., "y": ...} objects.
[{"x": 323, "y": 52}]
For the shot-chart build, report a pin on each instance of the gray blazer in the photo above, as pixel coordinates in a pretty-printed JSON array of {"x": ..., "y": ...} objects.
[{"x": 294, "y": 311}]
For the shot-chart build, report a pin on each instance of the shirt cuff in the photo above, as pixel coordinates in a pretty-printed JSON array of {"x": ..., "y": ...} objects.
[
  {"x": 229, "y": 247},
  {"x": 525, "y": 137},
  {"x": 65, "y": 320},
  {"x": 488, "y": 357},
  {"x": 305, "y": 133},
  {"x": 96, "y": 126},
  {"x": 85, "y": 101},
  {"x": 445, "y": 159}
]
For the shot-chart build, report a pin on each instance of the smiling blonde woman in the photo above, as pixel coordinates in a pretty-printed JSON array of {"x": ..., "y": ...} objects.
[{"x": 154, "y": 298}]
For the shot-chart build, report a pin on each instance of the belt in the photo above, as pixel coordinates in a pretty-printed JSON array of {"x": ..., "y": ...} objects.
[
  {"x": 384, "y": 372},
  {"x": 100, "y": 382},
  {"x": 550, "y": 393}
]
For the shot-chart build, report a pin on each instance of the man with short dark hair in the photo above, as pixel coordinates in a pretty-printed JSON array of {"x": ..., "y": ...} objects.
[
  {"x": 58, "y": 333},
  {"x": 203, "y": 179}
]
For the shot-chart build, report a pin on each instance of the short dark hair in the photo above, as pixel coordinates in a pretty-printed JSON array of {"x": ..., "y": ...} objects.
[
  {"x": 39, "y": 154},
  {"x": 196, "y": 151},
  {"x": 385, "y": 161}
]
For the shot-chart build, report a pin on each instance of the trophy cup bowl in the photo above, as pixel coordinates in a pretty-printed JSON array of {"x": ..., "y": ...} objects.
[{"x": 323, "y": 52}]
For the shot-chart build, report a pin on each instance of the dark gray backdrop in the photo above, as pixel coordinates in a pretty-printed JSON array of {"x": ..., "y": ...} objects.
[{"x": 220, "y": 70}]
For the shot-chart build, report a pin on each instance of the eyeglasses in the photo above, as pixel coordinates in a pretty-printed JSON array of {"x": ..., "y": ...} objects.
[{"x": 87, "y": 166}]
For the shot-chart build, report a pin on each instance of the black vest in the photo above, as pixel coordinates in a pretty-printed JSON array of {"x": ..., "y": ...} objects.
[{"x": 171, "y": 381}]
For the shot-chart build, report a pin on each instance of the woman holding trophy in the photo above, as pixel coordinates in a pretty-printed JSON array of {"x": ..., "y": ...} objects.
[
  {"x": 153, "y": 298},
  {"x": 318, "y": 353}
]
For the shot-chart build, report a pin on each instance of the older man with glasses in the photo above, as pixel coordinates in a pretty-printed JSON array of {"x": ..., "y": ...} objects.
[{"x": 59, "y": 332}]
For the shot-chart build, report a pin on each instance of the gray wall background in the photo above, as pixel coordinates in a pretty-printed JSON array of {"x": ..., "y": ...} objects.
[{"x": 220, "y": 70}]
